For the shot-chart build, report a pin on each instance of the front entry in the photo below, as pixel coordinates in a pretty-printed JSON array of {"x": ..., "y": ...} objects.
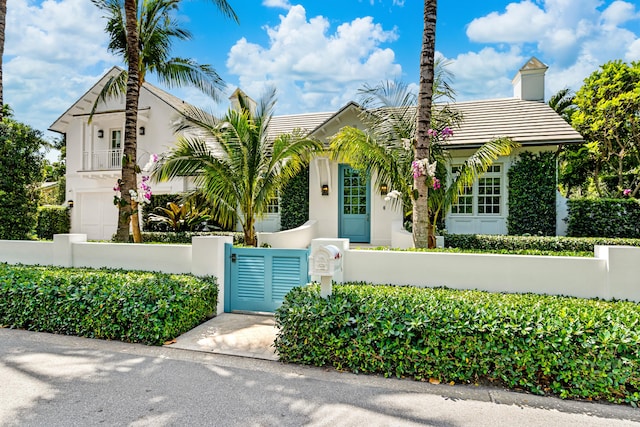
[{"x": 354, "y": 210}]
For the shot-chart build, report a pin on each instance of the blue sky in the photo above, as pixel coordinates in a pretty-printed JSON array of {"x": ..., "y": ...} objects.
[{"x": 318, "y": 53}]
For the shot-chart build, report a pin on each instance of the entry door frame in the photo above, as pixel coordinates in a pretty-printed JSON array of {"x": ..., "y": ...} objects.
[{"x": 365, "y": 236}]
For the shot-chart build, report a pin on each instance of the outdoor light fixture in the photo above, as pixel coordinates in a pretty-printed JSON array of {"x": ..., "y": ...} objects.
[
  {"x": 325, "y": 189},
  {"x": 100, "y": 133},
  {"x": 384, "y": 189},
  {"x": 141, "y": 130},
  {"x": 70, "y": 204}
]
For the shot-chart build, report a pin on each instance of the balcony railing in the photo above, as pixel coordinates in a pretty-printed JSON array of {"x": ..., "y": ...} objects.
[{"x": 102, "y": 160}]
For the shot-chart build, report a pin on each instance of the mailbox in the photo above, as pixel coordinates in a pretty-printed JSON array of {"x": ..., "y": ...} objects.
[{"x": 325, "y": 261}]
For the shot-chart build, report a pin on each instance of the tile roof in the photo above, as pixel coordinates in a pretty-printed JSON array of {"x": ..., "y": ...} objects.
[
  {"x": 306, "y": 122},
  {"x": 526, "y": 122}
]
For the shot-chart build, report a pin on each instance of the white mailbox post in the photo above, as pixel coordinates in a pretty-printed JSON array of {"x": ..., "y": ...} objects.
[{"x": 325, "y": 261}]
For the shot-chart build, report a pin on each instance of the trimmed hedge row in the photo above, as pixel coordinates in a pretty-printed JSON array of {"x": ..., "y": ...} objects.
[
  {"x": 52, "y": 219},
  {"x": 142, "y": 307},
  {"x": 539, "y": 243},
  {"x": 604, "y": 217},
  {"x": 570, "y": 347},
  {"x": 185, "y": 237}
]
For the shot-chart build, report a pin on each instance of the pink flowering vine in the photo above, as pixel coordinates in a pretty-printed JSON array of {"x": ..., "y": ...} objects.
[{"x": 626, "y": 192}]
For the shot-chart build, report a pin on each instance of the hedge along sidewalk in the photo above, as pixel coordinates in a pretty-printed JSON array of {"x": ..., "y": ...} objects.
[
  {"x": 130, "y": 306},
  {"x": 570, "y": 347}
]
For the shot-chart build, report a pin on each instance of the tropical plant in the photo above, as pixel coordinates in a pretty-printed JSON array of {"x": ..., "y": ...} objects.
[
  {"x": 386, "y": 146},
  {"x": 180, "y": 217},
  {"x": 233, "y": 163},
  {"x": 3, "y": 20},
  {"x": 562, "y": 103},
  {"x": 142, "y": 34}
]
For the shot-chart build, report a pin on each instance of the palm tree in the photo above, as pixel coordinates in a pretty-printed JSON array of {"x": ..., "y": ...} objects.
[
  {"x": 562, "y": 103},
  {"x": 233, "y": 163},
  {"x": 386, "y": 147},
  {"x": 422, "y": 227},
  {"x": 142, "y": 34},
  {"x": 3, "y": 20}
]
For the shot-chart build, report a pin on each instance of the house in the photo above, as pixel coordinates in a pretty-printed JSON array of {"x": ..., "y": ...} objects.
[{"x": 342, "y": 203}]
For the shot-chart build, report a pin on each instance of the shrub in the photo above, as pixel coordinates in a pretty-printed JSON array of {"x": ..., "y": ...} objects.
[
  {"x": 143, "y": 307},
  {"x": 52, "y": 220},
  {"x": 532, "y": 194},
  {"x": 539, "y": 243},
  {"x": 294, "y": 205},
  {"x": 604, "y": 218},
  {"x": 570, "y": 347}
]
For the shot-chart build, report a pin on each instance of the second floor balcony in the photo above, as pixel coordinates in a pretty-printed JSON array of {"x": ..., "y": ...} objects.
[{"x": 102, "y": 160}]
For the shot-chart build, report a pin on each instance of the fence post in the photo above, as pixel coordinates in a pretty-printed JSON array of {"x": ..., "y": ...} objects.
[
  {"x": 63, "y": 248},
  {"x": 622, "y": 271},
  {"x": 207, "y": 259}
]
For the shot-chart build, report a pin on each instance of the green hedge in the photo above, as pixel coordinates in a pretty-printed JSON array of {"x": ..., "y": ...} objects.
[
  {"x": 52, "y": 220},
  {"x": 604, "y": 217},
  {"x": 185, "y": 237},
  {"x": 532, "y": 194},
  {"x": 143, "y": 307},
  {"x": 539, "y": 243},
  {"x": 570, "y": 347},
  {"x": 294, "y": 202}
]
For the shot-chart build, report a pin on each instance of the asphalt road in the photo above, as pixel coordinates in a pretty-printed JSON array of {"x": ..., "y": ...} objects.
[{"x": 50, "y": 380}]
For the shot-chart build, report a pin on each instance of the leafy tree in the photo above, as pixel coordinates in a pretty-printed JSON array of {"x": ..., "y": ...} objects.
[
  {"x": 233, "y": 163},
  {"x": 20, "y": 175},
  {"x": 608, "y": 117},
  {"x": 562, "y": 103},
  {"x": 423, "y": 229},
  {"x": 142, "y": 33}
]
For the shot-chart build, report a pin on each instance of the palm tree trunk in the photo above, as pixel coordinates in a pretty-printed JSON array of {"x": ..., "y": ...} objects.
[
  {"x": 129, "y": 179},
  {"x": 3, "y": 16},
  {"x": 421, "y": 223}
]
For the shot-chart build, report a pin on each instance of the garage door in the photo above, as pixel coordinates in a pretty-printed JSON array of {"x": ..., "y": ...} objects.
[{"x": 98, "y": 215}]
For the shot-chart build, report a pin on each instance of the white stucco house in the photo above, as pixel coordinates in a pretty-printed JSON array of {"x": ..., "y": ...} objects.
[{"x": 341, "y": 204}]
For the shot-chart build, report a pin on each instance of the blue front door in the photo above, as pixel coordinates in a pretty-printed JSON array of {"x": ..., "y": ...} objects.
[{"x": 354, "y": 215}]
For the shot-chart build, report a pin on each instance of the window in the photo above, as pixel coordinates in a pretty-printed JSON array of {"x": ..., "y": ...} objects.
[
  {"x": 485, "y": 197},
  {"x": 116, "y": 139},
  {"x": 273, "y": 205}
]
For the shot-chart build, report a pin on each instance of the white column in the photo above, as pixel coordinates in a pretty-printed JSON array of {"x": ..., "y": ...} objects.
[
  {"x": 207, "y": 259},
  {"x": 63, "y": 248}
]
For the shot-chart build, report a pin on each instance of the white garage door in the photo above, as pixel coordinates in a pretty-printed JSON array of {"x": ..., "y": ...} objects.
[{"x": 98, "y": 215}]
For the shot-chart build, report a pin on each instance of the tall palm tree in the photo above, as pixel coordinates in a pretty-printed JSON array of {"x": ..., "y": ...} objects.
[
  {"x": 3, "y": 20},
  {"x": 233, "y": 163},
  {"x": 422, "y": 227},
  {"x": 385, "y": 147},
  {"x": 142, "y": 34}
]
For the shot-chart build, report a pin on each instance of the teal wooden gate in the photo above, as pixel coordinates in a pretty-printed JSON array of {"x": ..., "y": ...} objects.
[{"x": 257, "y": 279}]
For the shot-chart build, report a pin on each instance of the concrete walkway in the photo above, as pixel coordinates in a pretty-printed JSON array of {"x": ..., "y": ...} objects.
[{"x": 247, "y": 335}]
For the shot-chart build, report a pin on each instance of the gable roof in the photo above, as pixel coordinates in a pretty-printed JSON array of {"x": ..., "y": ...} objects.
[{"x": 83, "y": 106}]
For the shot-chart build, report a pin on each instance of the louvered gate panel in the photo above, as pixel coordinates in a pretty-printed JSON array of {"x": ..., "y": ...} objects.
[{"x": 259, "y": 278}]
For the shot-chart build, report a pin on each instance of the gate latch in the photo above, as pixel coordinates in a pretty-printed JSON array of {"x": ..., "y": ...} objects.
[{"x": 233, "y": 257}]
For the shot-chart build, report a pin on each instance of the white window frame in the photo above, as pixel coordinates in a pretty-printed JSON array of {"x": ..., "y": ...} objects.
[{"x": 475, "y": 193}]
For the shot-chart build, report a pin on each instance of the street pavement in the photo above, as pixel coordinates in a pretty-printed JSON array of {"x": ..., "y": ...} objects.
[{"x": 52, "y": 380}]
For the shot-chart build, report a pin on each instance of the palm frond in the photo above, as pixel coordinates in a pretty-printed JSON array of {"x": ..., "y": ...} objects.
[{"x": 114, "y": 87}]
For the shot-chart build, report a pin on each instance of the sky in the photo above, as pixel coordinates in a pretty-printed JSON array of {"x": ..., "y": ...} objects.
[{"x": 318, "y": 54}]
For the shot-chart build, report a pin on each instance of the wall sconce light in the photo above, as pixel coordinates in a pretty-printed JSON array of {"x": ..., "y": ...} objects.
[
  {"x": 141, "y": 130},
  {"x": 100, "y": 133},
  {"x": 325, "y": 189},
  {"x": 70, "y": 204},
  {"x": 384, "y": 189}
]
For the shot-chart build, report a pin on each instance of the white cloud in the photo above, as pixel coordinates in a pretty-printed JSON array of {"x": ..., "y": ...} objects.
[
  {"x": 485, "y": 74},
  {"x": 53, "y": 52},
  {"x": 284, "y": 4},
  {"x": 312, "y": 69},
  {"x": 574, "y": 37}
]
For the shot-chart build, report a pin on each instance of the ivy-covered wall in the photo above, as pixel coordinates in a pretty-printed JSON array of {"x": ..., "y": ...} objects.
[
  {"x": 294, "y": 205},
  {"x": 532, "y": 195}
]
